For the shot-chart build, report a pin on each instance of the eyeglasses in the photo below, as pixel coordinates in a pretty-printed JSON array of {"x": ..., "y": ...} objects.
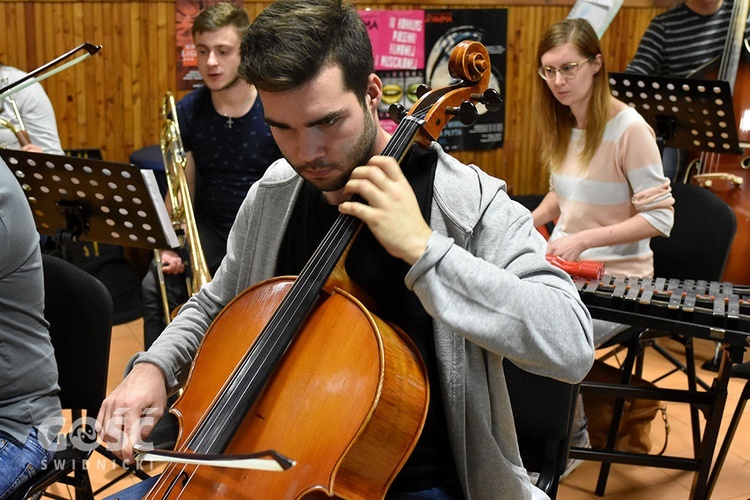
[{"x": 567, "y": 71}]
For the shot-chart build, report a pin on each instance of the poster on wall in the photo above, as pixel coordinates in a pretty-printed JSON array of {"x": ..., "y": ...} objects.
[
  {"x": 188, "y": 76},
  {"x": 397, "y": 38},
  {"x": 413, "y": 47},
  {"x": 444, "y": 29}
]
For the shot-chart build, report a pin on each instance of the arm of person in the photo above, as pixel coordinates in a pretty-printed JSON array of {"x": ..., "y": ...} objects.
[
  {"x": 129, "y": 413},
  {"x": 171, "y": 261},
  {"x": 649, "y": 56},
  {"x": 548, "y": 210},
  {"x": 32, "y": 148},
  {"x": 502, "y": 295},
  {"x": 498, "y": 292},
  {"x": 634, "y": 229},
  {"x": 163, "y": 369},
  {"x": 39, "y": 119}
]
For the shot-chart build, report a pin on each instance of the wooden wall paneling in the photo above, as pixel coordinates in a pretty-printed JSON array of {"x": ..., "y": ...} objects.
[
  {"x": 80, "y": 98},
  {"x": 114, "y": 70},
  {"x": 141, "y": 65},
  {"x": 96, "y": 83},
  {"x": 164, "y": 48},
  {"x": 13, "y": 34},
  {"x": 112, "y": 101}
]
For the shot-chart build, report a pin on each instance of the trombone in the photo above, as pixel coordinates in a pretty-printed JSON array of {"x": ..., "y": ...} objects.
[
  {"x": 181, "y": 206},
  {"x": 18, "y": 130}
]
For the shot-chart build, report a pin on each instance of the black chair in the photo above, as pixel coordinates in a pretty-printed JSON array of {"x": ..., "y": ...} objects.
[
  {"x": 741, "y": 370},
  {"x": 698, "y": 248},
  {"x": 543, "y": 411},
  {"x": 80, "y": 313}
]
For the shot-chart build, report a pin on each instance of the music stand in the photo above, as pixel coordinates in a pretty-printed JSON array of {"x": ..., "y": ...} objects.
[
  {"x": 684, "y": 113},
  {"x": 94, "y": 200}
]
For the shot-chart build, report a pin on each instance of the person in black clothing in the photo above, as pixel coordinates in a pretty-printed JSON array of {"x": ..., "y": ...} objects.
[{"x": 228, "y": 146}]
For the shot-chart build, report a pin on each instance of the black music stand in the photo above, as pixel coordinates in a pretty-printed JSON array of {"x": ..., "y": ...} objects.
[
  {"x": 684, "y": 113},
  {"x": 76, "y": 199}
]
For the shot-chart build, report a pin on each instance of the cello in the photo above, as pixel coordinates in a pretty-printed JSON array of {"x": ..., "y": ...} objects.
[
  {"x": 728, "y": 175},
  {"x": 301, "y": 367}
]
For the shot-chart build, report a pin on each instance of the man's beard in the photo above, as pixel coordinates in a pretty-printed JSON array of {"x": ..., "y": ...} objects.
[{"x": 360, "y": 154}]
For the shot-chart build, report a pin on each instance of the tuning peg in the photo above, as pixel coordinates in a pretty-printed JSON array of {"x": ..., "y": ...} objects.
[
  {"x": 467, "y": 112},
  {"x": 397, "y": 112},
  {"x": 422, "y": 89},
  {"x": 491, "y": 100}
]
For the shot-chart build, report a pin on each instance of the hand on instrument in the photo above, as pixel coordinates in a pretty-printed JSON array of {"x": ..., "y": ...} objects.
[
  {"x": 132, "y": 409},
  {"x": 32, "y": 148},
  {"x": 392, "y": 212},
  {"x": 568, "y": 247},
  {"x": 171, "y": 262}
]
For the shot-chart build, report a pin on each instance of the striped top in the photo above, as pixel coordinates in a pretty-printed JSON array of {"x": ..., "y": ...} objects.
[
  {"x": 679, "y": 41},
  {"x": 623, "y": 179}
]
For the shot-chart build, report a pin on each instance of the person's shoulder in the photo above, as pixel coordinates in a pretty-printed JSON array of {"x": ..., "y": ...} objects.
[
  {"x": 11, "y": 73},
  {"x": 626, "y": 117},
  {"x": 279, "y": 172},
  {"x": 194, "y": 97},
  {"x": 678, "y": 12},
  {"x": 458, "y": 169},
  {"x": 462, "y": 185},
  {"x": 628, "y": 123}
]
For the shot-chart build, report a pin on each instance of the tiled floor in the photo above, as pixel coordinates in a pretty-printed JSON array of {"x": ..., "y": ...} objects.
[
  {"x": 635, "y": 482},
  {"x": 625, "y": 482}
]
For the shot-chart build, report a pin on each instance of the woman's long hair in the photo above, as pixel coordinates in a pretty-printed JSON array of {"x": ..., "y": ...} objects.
[{"x": 555, "y": 120}]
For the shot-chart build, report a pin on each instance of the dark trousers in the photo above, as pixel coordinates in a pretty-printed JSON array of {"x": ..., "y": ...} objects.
[{"x": 214, "y": 243}]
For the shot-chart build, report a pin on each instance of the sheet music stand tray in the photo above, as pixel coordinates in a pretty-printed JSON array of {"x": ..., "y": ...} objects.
[
  {"x": 94, "y": 200},
  {"x": 684, "y": 113}
]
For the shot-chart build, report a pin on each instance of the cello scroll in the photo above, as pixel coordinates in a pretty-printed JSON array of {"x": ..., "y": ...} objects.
[{"x": 470, "y": 65}]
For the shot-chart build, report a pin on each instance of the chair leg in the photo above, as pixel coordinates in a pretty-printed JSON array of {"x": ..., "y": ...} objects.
[
  {"x": 731, "y": 430},
  {"x": 693, "y": 387},
  {"x": 83, "y": 486}
]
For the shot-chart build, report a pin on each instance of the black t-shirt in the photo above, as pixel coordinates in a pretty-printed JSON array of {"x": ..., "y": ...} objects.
[{"x": 431, "y": 463}]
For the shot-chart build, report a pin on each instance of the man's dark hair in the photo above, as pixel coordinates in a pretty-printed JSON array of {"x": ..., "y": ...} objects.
[
  {"x": 292, "y": 40},
  {"x": 219, "y": 15}
]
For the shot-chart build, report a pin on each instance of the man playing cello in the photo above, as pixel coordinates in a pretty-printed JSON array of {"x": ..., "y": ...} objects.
[{"x": 444, "y": 253}]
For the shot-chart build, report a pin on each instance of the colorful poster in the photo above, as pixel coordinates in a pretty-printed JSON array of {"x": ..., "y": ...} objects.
[
  {"x": 188, "y": 76},
  {"x": 444, "y": 29},
  {"x": 397, "y": 38},
  {"x": 413, "y": 47}
]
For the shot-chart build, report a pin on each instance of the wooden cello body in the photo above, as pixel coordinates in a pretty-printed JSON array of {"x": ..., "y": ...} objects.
[
  {"x": 301, "y": 367},
  {"x": 348, "y": 411},
  {"x": 728, "y": 175}
]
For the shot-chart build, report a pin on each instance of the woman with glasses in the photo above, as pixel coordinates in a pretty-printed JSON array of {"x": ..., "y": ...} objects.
[
  {"x": 607, "y": 190},
  {"x": 608, "y": 194}
]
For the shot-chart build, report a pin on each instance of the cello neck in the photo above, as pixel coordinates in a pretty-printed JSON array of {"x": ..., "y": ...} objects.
[{"x": 734, "y": 43}]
